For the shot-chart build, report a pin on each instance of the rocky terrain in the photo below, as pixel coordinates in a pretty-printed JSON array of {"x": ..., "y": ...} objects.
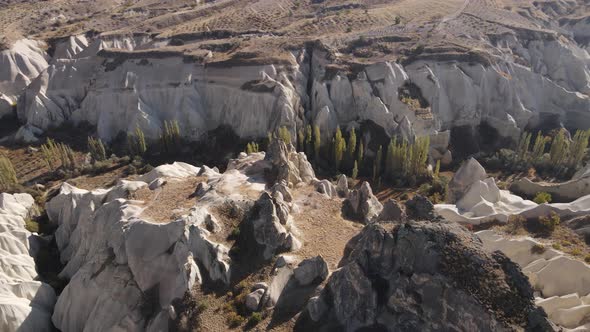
[{"x": 386, "y": 183}]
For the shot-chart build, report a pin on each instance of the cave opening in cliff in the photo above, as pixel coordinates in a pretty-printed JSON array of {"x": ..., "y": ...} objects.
[{"x": 469, "y": 140}]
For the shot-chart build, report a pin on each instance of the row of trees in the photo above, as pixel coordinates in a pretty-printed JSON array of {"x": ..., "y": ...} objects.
[
  {"x": 58, "y": 154},
  {"x": 558, "y": 154},
  {"x": 345, "y": 153}
]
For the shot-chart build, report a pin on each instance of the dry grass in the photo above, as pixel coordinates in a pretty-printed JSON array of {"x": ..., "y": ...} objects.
[
  {"x": 318, "y": 220},
  {"x": 170, "y": 201}
]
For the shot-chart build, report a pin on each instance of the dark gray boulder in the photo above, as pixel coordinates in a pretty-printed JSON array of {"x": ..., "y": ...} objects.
[{"x": 423, "y": 276}]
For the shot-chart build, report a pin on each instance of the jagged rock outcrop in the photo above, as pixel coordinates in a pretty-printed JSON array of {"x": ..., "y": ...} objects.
[
  {"x": 469, "y": 172},
  {"x": 125, "y": 270},
  {"x": 420, "y": 208},
  {"x": 342, "y": 186},
  {"x": 311, "y": 270},
  {"x": 392, "y": 211},
  {"x": 268, "y": 226},
  {"x": 287, "y": 164},
  {"x": 424, "y": 276},
  {"x": 327, "y": 188},
  {"x": 25, "y": 303},
  {"x": 562, "y": 282},
  {"x": 362, "y": 205}
]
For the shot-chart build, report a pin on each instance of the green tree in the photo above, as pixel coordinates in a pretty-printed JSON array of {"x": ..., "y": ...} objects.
[
  {"x": 523, "y": 147},
  {"x": 355, "y": 170},
  {"x": 317, "y": 142},
  {"x": 170, "y": 137},
  {"x": 96, "y": 149},
  {"x": 339, "y": 148},
  {"x": 7, "y": 173},
  {"x": 538, "y": 148},
  {"x": 351, "y": 146},
  {"x": 300, "y": 140},
  {"x": 49, "y": 150},
  {"x": 558, "y": 152},
  {"x": 437, "y": 169},
  {"x": 578, "y": 148},
  {"x": 136, "y": 142}
]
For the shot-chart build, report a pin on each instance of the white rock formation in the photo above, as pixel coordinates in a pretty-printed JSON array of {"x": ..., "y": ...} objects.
[
  {"x": 19, "y": 65},
  {"x": 120, "y": 82},
  {"x": 120, "y": 263},
  {"x": 562, "y": 282},
  {"x": 126, "y": 270},
  {"x": 481, "y": 201},
  {"x": 570, "y": 190},
  {"x": 25, "y": 304}
]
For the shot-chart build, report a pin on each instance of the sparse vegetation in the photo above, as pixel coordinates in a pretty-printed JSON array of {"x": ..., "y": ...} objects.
[
  {"x": 96, "y": 149},
  {"x": 548, "y": 223},
  {"x": 170, "y": 138},
  {"x": 538, "y": 249},
  {"x": 254, "y": 319},
  {"x": 515, "y": 224},
  {"x": 252, "y": 147},
  {"x": 542, "y": 197},
  {"x": 58, "y": 153},
  {"x": 136, "y": 143},
  {"x": 561, "y": 157}
]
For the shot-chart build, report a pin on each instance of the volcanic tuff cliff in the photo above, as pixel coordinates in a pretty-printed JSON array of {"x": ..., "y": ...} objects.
[{"x": 509, "y": 64}]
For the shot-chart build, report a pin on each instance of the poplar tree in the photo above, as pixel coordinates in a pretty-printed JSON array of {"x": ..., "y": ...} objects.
[{"x": 317, "y": 142}]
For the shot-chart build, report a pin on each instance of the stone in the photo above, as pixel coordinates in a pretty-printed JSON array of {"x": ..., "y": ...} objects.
[
  {"x": 316, "y": 307},
  {"x": 311, "y": 270},
  {"x": 362, "y": 205},
  {"x": 283, "y": 188},
  {"x": 157, "y": 183},
  {"x": 469, "y": 172},
  {"x": 567, "y": 191},
  {"x": 25, "y": 303},
  {"x": 420, "y": 208},
  {"x": 327, "y": 188},
  {"x": 342, "y": 186},
  {"x": 202, "y": 189},
  {"x": 288, "y": 165},
  {"x": 392, "y": 211},
  {"x": 425, "y": 276},
  {"x": 563, "y": 296},
  {"x": 267, "y": 226},
  {"x": 253, "y": 299},
  {"x": 259, "y": 285}
]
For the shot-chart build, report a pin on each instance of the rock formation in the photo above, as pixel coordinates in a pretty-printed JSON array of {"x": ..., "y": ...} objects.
[
  {"x": 362, "y": 205},
  {"x": 21, "y": 64},
  {"x": 268, "y": 226},
  {"x": 570, "y": 190},
  {"x": 562, "y": 282},
  {"x": 481, "y": 201},
  {"x": 287, "y": 164},
  {"x": 424, "y": 276},
  {"x": 25, "y": 303}
]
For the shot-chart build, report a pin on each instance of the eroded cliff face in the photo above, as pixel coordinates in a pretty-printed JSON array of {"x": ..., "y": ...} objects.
[
  {"x": 20, "y": 64},
  {"x": 119, "y": 90}
]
